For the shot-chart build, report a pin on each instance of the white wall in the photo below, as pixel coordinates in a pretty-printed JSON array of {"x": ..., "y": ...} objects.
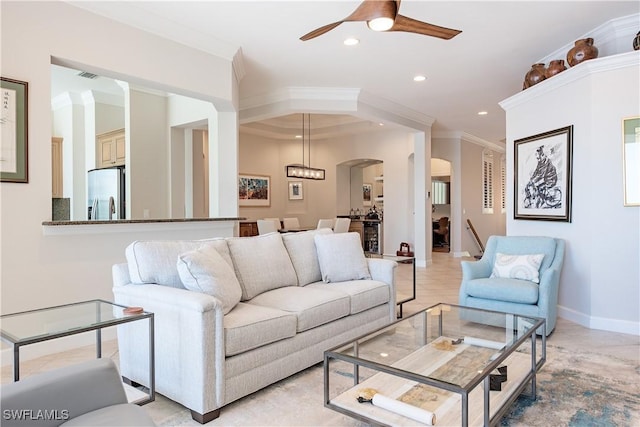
[
  {"x": 600, "y": 283},
  {"x": 41, "y": 270}
]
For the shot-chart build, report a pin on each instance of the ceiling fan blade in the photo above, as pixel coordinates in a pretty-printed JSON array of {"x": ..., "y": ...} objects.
[
  {"x": 320, "y": 31},
  {"x": 366, "y": 11},
  {"x": 410, "y": 25}
]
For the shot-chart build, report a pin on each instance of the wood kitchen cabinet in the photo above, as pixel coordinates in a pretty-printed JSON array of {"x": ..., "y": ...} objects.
[
  {"x": 248, "y": 228},
  {"x": 111, "y": 150}
]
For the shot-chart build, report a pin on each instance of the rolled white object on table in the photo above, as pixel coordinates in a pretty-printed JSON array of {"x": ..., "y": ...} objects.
[
  {"x": 484, "y": 343},
  {"x": 404, "y": 409}
]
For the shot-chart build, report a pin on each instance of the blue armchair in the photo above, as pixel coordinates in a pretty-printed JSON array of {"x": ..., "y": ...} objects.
[{"x": 521, "y": 295}]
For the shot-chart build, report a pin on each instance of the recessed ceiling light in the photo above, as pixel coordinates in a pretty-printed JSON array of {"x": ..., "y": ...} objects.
[
  {"x": 380, "y": 124},
  {"x": 298, "y": 136},
  {"x": 482, "y": 113},
  {"x": 419, "y": 78},
  {"x": 351, "y": 41}
]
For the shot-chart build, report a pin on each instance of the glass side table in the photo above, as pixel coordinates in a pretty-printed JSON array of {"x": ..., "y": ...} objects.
[{"x": 30, "y": 327}]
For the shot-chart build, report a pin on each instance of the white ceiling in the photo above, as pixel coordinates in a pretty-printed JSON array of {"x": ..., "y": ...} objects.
[{"x": 472, "y": 72}]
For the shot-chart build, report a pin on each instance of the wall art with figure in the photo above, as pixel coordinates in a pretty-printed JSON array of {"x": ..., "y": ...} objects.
[{"x": 542, "y": 172}]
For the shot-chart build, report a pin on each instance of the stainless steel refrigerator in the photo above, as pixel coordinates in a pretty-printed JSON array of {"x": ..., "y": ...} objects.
[{"x": 106, "y": 193}]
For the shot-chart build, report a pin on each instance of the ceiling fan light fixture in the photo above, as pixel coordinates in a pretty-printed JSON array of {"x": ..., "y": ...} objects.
[{"x": 382, "y": 23}]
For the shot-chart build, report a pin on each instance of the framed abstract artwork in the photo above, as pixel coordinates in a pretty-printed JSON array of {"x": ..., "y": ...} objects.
[
  {"x": 254, "y": 190},
  {"x": 14, "y": 159},
  {"x": 542, "y": 175},
  {"x": 366, "y": 194}
]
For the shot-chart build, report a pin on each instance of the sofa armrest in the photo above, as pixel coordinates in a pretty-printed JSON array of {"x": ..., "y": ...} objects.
[
  {"x": 71, "y": 391},
  {"x": 384, "y": 270},
  {"x": 189, "y": 344}
]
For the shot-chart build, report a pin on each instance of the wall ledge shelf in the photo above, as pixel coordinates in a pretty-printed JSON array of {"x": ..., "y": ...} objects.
[{"x": 53, "y": 228}]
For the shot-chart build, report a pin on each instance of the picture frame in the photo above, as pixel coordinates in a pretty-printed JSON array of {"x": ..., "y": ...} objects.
[
  {"x": 14, "y": 143},
  {"x": 295, "y": 190},
  {"x": 254, "y": 190},
  {"x": 366, "y": 194},
  {"x": 631, "y": 160},
  {"x": 542, "y": 176}
]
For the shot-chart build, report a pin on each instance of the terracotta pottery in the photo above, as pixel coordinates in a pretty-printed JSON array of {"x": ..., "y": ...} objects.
[
  {"x": 636, "y": 42},
  {"x": 556, "y": 66},
  {"x": 583, "y": 50},
  {"x": 534, "y": 76}
]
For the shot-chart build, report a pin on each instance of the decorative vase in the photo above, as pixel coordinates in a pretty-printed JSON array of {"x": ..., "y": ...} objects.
[
  {"x": 556, "y": 66},
  {"x": 534, "y": 76},
  {"x": 636, "y": 42},
  {"x": 583, "y": 50}
]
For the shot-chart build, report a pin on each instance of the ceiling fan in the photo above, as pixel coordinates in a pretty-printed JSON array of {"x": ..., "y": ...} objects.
[{"x": 382, "y": 15}]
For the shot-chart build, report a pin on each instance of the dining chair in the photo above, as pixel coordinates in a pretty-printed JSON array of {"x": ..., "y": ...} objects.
[
  {"x": 342, "y": 225},
  {"x": 325, "y": 223},
  {"x": 276, "y": 221},
  {"x": 266, "y": 226},
  {"x": 291, "y": 223}
]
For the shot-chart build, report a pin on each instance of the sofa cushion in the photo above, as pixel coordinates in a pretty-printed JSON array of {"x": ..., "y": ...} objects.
[
  {"x": 523, "y": 267},
  {"x": 249, "y": 326},
  {"x": 261, "y": 264},
  {"x": 364, "y": 294},
  {"x": 304, "y": 257},
  {"x": 341, "y": 257},
  {"x": 509, "y": 290},
  {"x": 204, "y": 270},
  {"x": 154, "y": 261},
  {"x": 312, "y": 307}
]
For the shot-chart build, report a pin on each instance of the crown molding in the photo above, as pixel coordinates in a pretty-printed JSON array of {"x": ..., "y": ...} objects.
[
  {"x": 467, "y": 137},
  {"x": 571, "y": 75}
]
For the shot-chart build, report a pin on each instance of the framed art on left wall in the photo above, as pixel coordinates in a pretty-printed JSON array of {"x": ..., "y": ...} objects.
[
  {"x": 14, "y": 162},
  {"x": 254, "y": 190}
]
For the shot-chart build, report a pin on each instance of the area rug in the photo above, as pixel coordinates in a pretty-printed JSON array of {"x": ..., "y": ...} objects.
[{"x": 581, "y": 390}]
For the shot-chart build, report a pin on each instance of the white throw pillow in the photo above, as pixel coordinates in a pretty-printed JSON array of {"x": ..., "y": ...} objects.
[
  {"x": 304, "y": 257},
  {"x": 204, "y": 270},
  {"x": 523, "y": 267},
  {"x": 341, "y": 257}
]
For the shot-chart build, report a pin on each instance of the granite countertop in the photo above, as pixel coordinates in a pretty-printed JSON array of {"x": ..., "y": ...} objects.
[{"x": 139, "y": 221}]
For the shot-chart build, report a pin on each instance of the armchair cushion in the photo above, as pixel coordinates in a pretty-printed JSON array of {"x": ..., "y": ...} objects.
[
  {"x": 508, "y": 290},
  {"x": 204, "y": 270},
  {"x": 524, "y": 267}
]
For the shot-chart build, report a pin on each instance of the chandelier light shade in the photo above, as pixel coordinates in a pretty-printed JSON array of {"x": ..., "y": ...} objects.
[{"x": 302, "y": 171}]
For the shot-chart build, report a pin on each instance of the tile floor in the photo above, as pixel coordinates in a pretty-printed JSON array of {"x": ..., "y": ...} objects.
[{"x": 437, "y": 283}]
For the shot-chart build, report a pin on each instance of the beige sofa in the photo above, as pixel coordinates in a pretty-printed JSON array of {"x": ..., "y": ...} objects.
[{"x": 237, "y": 314}]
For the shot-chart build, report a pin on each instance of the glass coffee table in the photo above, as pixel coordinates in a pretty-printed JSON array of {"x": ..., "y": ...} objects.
[
  {"x": 30, "y": 327},
  {"x": 445, "y": 365}
]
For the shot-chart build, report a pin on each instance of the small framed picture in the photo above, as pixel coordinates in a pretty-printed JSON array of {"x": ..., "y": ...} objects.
[
  {"x": 295, "y": 190},
  {"x": 366, "y": 194},
  {"x": 542, "y": 172}
]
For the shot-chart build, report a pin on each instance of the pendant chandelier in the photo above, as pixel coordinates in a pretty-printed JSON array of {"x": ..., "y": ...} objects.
[{"x": 301, "y": 170}]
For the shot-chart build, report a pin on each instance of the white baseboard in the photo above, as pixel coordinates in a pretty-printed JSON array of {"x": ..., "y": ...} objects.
[
  {"x": 600, "y": 323},
  {"x": 45, "y": 348}
]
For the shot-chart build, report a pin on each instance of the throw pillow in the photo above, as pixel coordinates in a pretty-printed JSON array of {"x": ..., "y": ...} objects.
[
  {"x": 341, "y": 257},
  {"x": 205, "y": 270},
  {"x": 302, "y": 251},
  {"x": 523, "y": 267}
]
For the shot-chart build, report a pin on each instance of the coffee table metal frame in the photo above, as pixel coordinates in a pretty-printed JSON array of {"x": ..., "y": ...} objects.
[
  {"x": 357, "y": 362},
  {"x": 398, "y": 258},
  {"x": 80, "y": 327}
]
